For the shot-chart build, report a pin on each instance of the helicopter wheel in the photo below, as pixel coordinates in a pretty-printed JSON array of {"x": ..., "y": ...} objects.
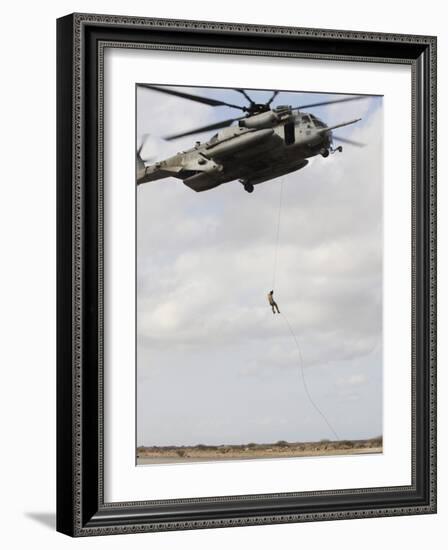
[
  {"x": 325, "y": 153},
  {"x": 248, "y": 187}
]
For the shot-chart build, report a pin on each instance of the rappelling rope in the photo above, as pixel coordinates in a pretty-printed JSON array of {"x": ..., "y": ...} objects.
[
  {"x": 296, "y": 340},
  {"x": 274, "y": 271},
  {"x": 305, "y": 385}
]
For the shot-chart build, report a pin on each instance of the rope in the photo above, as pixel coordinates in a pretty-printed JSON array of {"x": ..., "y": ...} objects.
[
  {"x": 274, "y": 272},
  {"x": 333, "y": 431}
]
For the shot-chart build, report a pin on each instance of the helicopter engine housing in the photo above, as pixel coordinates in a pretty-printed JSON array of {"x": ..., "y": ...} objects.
[
  {"x": 263, "y": 120},
  {"x": 267, "y": 119}
]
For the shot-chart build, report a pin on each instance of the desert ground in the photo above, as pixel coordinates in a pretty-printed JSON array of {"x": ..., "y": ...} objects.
[{"x": 280, "y": 449}]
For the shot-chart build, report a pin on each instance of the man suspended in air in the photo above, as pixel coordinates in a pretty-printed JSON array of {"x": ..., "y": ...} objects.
[{"x": 272, "y": 302}]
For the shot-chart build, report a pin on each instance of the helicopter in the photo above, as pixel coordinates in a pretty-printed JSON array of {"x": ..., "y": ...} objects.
[{"x": 267, "y": 142}]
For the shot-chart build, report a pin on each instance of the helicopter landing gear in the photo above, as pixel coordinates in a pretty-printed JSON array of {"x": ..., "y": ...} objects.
[
  {"x": 337, "y": 150},
  {"x": 324, "y": 153},
  {"x": 247, "y": 186}
]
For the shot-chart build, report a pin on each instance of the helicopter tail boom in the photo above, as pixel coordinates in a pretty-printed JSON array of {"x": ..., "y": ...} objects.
[{"x": 154, "y": 172}]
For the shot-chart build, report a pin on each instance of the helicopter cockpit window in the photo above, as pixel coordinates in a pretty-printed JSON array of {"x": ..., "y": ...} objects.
[
  {"x": 306, "y": 119},
  {"x": 317, "y": 123}
]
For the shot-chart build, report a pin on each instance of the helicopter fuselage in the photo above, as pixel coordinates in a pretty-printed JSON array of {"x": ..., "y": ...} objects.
[{"x": 261, "y": 147}]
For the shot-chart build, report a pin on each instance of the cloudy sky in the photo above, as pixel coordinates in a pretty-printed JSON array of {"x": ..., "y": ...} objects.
[{"x": 214, "y": 365}]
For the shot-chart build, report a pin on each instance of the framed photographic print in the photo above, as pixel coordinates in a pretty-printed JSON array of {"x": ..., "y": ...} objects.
[{"x": 246, "y": 274}]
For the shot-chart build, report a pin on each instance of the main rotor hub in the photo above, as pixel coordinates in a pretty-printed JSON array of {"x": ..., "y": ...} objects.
[{"x": 257, "y": 108}]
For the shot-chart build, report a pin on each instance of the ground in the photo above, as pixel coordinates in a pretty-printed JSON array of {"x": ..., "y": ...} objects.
[{"x": 280, "y": 449}]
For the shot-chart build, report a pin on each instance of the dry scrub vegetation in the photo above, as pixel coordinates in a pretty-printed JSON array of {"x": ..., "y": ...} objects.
[{"x": 256, "y": 450}]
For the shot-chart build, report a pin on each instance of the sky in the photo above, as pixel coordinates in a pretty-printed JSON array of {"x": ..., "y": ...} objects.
[{"x": 214, "y": 365}]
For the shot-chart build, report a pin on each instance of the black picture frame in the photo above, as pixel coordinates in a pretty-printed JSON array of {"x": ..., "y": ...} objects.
[{"x": 81, "y": 510}]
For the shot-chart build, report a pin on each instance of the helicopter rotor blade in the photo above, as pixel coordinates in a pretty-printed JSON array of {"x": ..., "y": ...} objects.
[
  {"x": 322, "y": 103},
  {"x": 349, "y": 141},
  {"x": 245, "y": 94},
  {"x": 274, "y": 95},
  {"x": 215, "y": 126},
  {"x": 192, "y": 97}
]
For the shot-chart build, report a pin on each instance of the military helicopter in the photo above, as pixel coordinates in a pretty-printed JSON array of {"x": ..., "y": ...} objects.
[{"x": 266, "y": 143}]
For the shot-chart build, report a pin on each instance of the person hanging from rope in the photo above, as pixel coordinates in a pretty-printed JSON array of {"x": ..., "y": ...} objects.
[{"x": 272, "y": 302}]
